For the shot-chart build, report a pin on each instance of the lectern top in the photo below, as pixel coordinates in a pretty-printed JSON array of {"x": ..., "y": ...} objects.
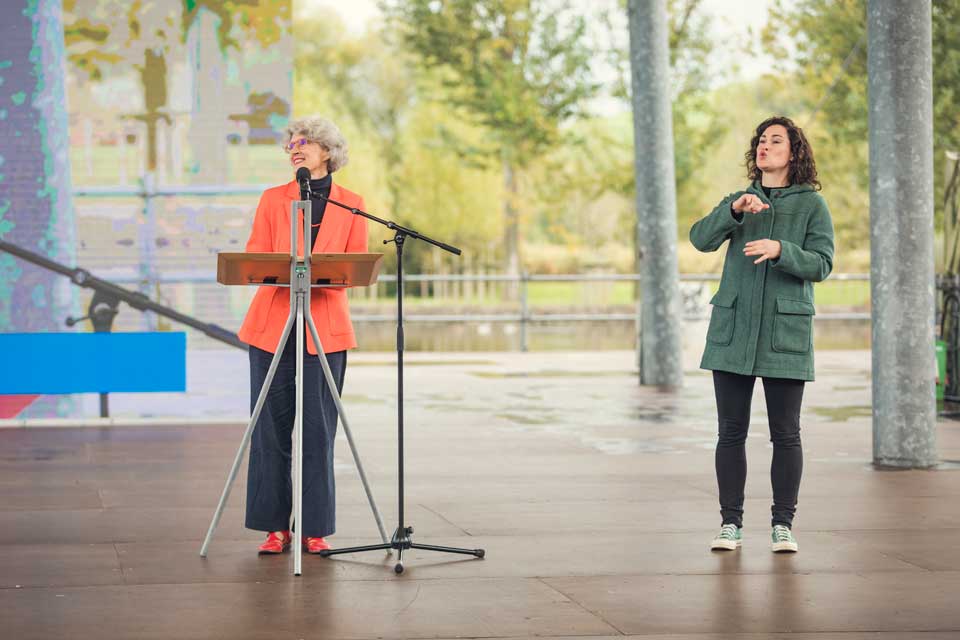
[{"x": 326, "y": 269}]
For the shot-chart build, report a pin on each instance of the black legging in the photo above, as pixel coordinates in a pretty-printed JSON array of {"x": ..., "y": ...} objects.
[{"x": 784, "y": 396}]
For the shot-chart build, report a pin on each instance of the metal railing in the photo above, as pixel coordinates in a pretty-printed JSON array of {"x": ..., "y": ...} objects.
[
  {"x": 524, "y": 316},
  {"x": 148, "y": 278},
  {"x": 149, "y": 191}
]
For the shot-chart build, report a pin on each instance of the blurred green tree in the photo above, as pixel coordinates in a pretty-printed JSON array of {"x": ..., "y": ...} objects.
[
  {"x": 364, "y": 79},
  {"x": 517, "y": 68},
  {"x": 828, "y": 60},
  {"x": 598, "y": 158},
  {"x": 696, "y": 125},
  {"x": 399, "y": 160}
]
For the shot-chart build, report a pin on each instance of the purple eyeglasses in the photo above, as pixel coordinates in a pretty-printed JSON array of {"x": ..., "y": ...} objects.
[{"x": 293, "y": 145}]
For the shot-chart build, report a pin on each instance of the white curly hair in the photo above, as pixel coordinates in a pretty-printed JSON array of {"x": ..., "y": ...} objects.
[{"x": 326, "y": 134}]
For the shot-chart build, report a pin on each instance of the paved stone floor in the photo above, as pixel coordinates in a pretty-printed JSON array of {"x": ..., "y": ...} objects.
[{"x": 594, "y": 499}]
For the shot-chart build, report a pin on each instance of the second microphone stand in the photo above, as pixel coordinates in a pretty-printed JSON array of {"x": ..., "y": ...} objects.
[{"x": 403, "y": 536}]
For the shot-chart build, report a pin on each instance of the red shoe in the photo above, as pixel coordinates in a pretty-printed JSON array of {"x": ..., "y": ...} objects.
[
  {"x": 315, "y": 545},
  {"x": 277, "y": 542}
]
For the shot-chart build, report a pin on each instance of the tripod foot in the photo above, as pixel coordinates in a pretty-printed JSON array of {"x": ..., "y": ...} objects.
[
  {"x": 479, "y": 553},
  {"x": 398, "y": 569}
]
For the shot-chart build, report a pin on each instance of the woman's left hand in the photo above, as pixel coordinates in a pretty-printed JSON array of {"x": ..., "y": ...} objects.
[{"x": 766, "y": 249}]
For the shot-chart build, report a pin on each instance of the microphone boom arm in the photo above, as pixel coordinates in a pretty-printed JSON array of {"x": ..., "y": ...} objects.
[
  {"x": 393, "y": 226},
  {"x": 83, "y": 278}
]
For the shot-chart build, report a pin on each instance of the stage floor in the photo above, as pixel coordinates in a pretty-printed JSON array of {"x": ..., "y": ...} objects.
[{"x": 594, "y": 499}]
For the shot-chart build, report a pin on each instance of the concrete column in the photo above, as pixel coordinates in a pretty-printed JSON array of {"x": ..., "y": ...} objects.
[
  {"x": 901, "y": 232},
  {"x": 659, "y": 343}
]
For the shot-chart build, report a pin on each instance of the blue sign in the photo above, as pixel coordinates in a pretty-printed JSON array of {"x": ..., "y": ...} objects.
[{"x": 38, "y": 363}]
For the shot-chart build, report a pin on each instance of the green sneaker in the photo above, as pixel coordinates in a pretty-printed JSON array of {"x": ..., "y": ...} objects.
[
  {"x": 729, "y": 538},
  {"x": 782, "y": 539}
]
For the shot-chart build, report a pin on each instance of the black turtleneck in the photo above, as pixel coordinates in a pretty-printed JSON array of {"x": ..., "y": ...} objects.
[
  {"x": 770, "y": 190},
  {"x": 320, "y": 187}
]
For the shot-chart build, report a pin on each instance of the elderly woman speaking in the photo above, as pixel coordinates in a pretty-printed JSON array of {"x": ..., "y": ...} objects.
[{"x": 316, "y": 144}]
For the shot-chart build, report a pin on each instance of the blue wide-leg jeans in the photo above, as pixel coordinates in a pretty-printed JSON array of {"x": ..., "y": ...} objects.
[{"x": 269, "y": 484}]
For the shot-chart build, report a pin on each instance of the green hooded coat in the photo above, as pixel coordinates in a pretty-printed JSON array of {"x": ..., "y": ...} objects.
[{"x": 762, "y": 318}]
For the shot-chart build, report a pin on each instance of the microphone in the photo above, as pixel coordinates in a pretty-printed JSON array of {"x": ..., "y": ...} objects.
[{"x": 303, "y": 177}]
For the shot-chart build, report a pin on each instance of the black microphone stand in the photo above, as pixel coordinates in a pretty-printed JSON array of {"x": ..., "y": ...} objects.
[{"x": 403, "y": 536}]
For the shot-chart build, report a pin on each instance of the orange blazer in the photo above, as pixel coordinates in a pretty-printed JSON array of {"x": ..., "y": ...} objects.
[{"x": 340, "y": 232}]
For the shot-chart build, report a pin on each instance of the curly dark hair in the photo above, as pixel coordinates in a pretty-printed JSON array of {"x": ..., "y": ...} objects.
[{"x": 803, "y": 170}]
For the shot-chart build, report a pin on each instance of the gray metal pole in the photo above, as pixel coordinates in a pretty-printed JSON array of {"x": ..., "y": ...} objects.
[
  {"x": 147, "y": 240},
  {"x": 899, "y": 66},
  {"x": 524, "y": 310},
  {"x": 302, "y": 309},
  {"x": 660, "y": 349}
]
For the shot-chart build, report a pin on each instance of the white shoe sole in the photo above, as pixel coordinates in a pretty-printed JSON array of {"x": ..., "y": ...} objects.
[
  {"x": 784, "y": 547},
  {"x": 725, "y": 545}
]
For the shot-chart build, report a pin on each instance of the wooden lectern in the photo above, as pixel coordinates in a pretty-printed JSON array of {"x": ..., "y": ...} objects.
[
  {"x": 326, "y": 269},
  {"x": 300, "y": 276}
]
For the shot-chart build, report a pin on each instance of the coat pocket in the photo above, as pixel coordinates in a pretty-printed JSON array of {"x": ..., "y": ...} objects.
[
  {"x": 722, "y": 318},
  {"x": 792, "y": 326},
  {"x": 337, "y": 314}
]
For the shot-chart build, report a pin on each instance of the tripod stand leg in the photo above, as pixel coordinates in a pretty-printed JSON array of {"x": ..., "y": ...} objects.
[
  {"x": 246, "y": 436},
  {"x": 467, "y": 552},
  {"x": 370, "y": 547},
  {"x": 346, "y": 427},
  {"x": 398, "y": 568},
  {"x": 298, "y": 445}
]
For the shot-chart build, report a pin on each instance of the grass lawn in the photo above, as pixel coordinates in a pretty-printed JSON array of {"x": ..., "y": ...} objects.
[{"x": 846, "y": 294}]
